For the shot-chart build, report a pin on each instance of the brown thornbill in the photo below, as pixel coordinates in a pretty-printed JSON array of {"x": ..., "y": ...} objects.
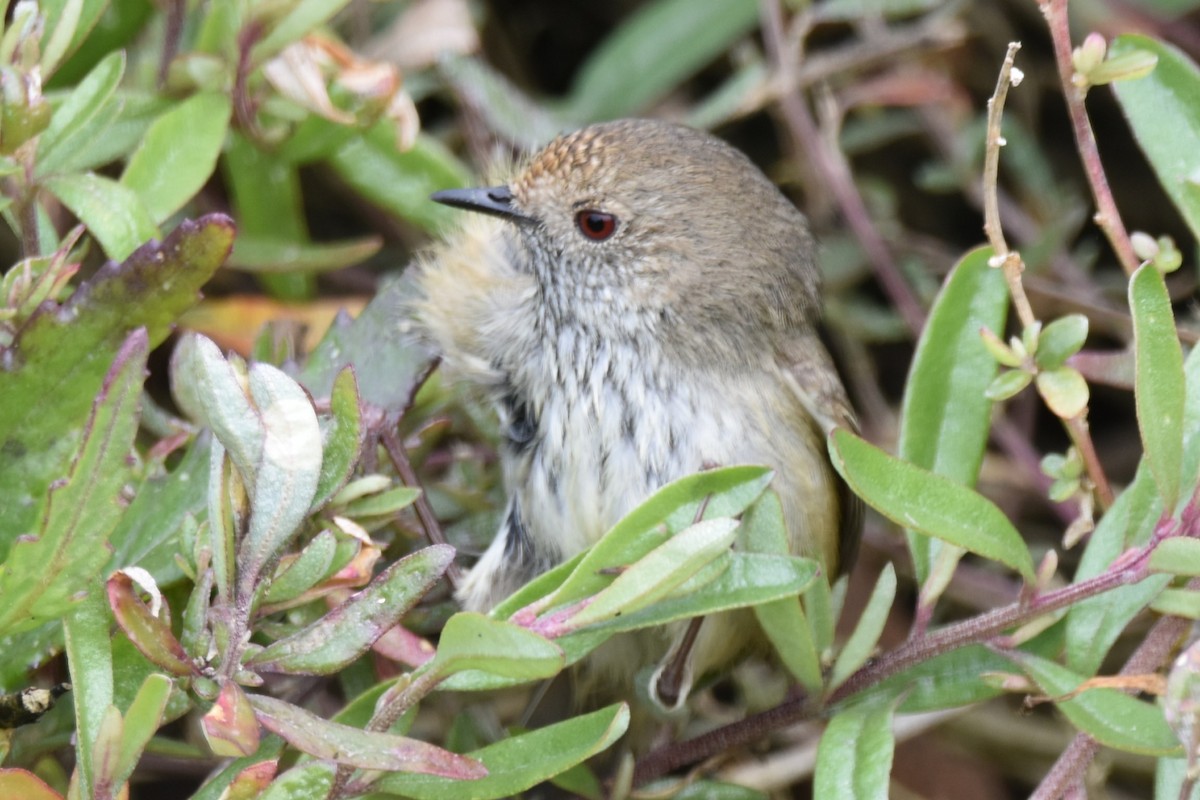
[{"x": 641, "y": 303}]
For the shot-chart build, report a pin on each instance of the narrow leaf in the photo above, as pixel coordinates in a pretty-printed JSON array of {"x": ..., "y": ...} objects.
[
  {"x": 929, "y": 503},
  {"x": 1177, "y": 556},
  {"x": 344, "y": 634},
  {"x": 179, "y": 153},
  {"x": 114, "y": 214},
  {"x": 151, "y": 635},
  {"x": 862, "y": 642},
  {"x": 479, "y": 644},
  {"x": 89, "y": 657},
  {"x": 1159, "y": 384},
  {"x": 521, "y": 762},
  {"x": 141, "y": 721},
  {"x": 653, "y": 51},
  {"x": 285, "y": 481},
  {"x": 854, "y": 757},
  {"x": 43, "y": 572},
  {"x": 945, "y": 415},
  {"x": 660, "y": 571},
  {"x": 1110, "y": 717},
  {"x": 81, "y": 106},
  {"x": 1167, "y": 100},
  {"x": 323, "y": 739}
]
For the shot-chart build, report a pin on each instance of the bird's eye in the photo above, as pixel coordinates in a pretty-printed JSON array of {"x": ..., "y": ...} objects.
[{"x": 596, "y": 225}]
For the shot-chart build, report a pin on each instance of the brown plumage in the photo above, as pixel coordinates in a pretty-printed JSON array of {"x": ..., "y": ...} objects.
[{"x": 639, "y": 302}]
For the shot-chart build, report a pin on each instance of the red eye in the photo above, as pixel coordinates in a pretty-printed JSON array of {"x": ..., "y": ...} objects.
[{"x": 596, "y": 225}]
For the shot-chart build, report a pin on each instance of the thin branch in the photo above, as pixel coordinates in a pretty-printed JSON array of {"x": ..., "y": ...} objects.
[
  {"x": 1081, "y": 437},
  {"x": 1155, "y": 650},
  {"x": 1107, "y": 216},
  {"x": 1129, "y": 569},
  {"x": 1009, "y": 261},
  {"x": 835, "y": 173},
  {"x": 433, "y": 531}
]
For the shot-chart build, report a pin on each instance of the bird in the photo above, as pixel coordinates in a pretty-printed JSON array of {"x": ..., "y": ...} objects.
[{"x": 639, "y": 302}]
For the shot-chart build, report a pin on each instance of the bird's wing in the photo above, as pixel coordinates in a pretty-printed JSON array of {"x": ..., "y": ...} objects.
[{"x": 809, "y": 370}]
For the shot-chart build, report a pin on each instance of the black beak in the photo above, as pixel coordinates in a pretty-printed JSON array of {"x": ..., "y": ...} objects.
[{"x": 494, "y": 200}]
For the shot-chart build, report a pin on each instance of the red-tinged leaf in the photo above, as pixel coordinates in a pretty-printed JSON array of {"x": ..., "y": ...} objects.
[
  {"x": 332, "y": 741},
  {"x": 42, "y": 577},
  {"x": 148, "y": 633},
  {"x": 58, "y": 361},
  {"x": 250, "y": 782},
  {"x": 25, "y": 785},
  {"x": 345, "y": 633},
  {"x": 229, "y": 726},
  {"x": 405, "y": 647}
]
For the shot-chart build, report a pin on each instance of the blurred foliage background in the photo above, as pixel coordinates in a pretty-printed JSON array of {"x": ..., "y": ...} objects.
[{"x": 316, "y": 129}]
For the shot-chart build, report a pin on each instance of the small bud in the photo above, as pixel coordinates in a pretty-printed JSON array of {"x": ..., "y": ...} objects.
[
  {"x": 1144, "y": 245},
  {"x": 1090, "y": 54},
  {"x": 1168, "y": 259},
  {"x": 1031, "y": 337},
  {"x": 1046, "y": 570},
  {"x": 998, "y": 349}
]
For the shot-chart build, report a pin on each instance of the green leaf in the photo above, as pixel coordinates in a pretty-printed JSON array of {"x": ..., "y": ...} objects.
[
  {"x": 387, "y": 359},
  {"x": 1163, "y": 109},
  {"x": 1060, "y": 340},
  {"x": 332, "y": 741},
  {"x": 784, "y": 621},
  {"x": 748, "y": 580},
  {"x": 85, "y": 103},
  {"x": 344, "y": 634},
  {"x": 301, "y": 18},
  {"x": 945, "y": 416},
  {"x": 148, "y": 532},
  {"x": 400, "y": 182},
  {"x": 1159, "y": 384},
  {"x": 261, "y": 254},
  {"x": 179, "y": 153},
  {"x": 113, "y": 214},
  {"x": 721, "y": 492},
  {"x": 1094, "y": 624},
  {"x": 1178, "y": 602},
  {"x": 141, "y": 721},
  {"x": 929, "y": 503},
  {"x": 313, "y": 779},
  {"x": 343, "y": 437},
  {"x": 68, "y": 23},
  {"x": 303, "y": 573},
  {"x": 521, "y": 762},
  {"x": 854, "y": 757},
  {"x": 477, "y": 643},
  {"x": 44, "y": 572},
  {"x": 89, "y": 657},
  {"x": 60, "y": 358},
  {"x": 659, "y": 572},
  {"x": 509, "y": 111},
  {"x": 653, "y": 51},
  {"x": 284, "y": 481},
  {"x": 949, "y": 680},
  {"x": 1110, "y": 717},
  {"x": 862, "y": 642},
  {"x": 1176, "y": 556},
  {"x": 1169, "y": 775},
  {"x": 1064, "y": 390},
  {"x": 1007, "y": 384}
]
